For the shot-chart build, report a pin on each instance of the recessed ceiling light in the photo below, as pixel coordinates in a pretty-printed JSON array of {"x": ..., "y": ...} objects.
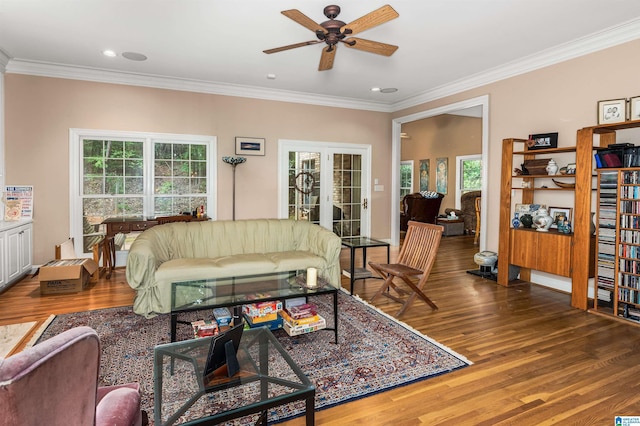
[
  {"x": 271, "y": 76},
  {"x": 110, "y": 53},
  {"x": 133, "y": 56},
  {"x": 384, "y": 90}
]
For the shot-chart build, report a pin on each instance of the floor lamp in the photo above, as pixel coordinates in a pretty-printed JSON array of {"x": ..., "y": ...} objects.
[{"x": 234, "y": 161}]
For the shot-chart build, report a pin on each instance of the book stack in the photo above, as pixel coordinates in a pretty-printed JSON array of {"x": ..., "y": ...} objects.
[
  {"x": 262, "y": 311},
  {"x": 302, "y": 319}
]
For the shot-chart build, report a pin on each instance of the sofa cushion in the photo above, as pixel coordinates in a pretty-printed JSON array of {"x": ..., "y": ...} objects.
[{"x": 290, "y": 260}]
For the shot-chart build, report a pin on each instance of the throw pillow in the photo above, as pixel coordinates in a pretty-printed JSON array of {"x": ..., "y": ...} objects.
[{"x": 429, "y": 194}]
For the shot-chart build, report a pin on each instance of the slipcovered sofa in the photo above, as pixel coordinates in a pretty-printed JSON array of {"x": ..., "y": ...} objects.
[{"x": 182, "y": 251}]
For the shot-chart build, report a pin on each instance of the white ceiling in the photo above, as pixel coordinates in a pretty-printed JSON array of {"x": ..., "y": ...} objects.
[{"x": 215, "y": 46}]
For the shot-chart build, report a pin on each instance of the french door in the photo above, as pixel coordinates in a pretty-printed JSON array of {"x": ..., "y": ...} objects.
[{"x": 326, "y": 184}]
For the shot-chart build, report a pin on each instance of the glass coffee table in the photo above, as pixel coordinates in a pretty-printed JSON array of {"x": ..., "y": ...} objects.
[
  {"x": 197, "y": 295},
  {"x": 268, "y": 378}
]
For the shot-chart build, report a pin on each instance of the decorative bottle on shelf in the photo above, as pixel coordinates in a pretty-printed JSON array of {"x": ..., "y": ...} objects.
[
  {"x": 516, "y": 220},
  {"x": 552, "y": 167},
  {"x": 593, "y": 224}
]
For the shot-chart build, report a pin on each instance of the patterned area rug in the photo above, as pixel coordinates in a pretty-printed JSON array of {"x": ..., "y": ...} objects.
[{"x": 375, "y": 352}]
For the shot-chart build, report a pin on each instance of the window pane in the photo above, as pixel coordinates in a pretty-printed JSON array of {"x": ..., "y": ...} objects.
[
  {"x": 181, "y": 172},
  {"x": 471, "y": 175}
]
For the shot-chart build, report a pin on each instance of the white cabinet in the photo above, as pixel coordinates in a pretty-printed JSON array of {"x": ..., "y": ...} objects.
[{"x": 16, "y": 251}]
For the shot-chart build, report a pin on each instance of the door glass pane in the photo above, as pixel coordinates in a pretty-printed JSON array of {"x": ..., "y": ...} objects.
[
  {"x": 347, "y": 194},
  {"x": 304, "y": 186}
]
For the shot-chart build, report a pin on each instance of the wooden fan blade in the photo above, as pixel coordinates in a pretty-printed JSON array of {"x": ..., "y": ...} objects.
[
  {"x": 292, "y": 46},
  {"x": 370, "y": 20},
  {"x": 371, "y": 46},
  {"x": 326, "y": 60},
  {"x": 303, "y": 20}
]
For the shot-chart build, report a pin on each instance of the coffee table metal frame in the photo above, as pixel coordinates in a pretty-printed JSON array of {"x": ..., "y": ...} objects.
[
  {"x": 197, "y": 295},
  {"x": 194, "y": 352},
  {"x": 363, "y": 243}
]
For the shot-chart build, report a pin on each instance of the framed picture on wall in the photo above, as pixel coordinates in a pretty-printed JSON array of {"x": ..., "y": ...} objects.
[
  {"x": 250, "y": 146},
  {"x": 424, "y": 175},
  {"x": 442, "y": 171}
]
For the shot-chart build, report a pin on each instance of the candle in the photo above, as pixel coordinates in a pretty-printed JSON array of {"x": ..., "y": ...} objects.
[{"x": 312, "y": 277}]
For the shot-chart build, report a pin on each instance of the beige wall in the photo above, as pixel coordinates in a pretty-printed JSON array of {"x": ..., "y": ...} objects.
[
  {"x": 561, "y": 98},
  {"x": 40, "y": 111},
  {"x": 443, "y": 136}
]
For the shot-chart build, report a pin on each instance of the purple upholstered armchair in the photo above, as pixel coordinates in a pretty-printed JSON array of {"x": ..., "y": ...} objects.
[{"x": 56, "y": 383}]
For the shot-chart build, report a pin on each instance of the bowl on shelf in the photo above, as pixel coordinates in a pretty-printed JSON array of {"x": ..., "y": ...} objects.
[{"x": 564, "y": 184}]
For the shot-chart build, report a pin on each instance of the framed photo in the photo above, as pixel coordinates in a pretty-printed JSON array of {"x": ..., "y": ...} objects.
[
  {"x": 250, "y": 146},
  {"x": 612, "y": 111},
  {"x": 634, "y": 106},
  {"x": 560, "y": 214},
  {"x": 528, "y": 208},
  {"x": 543, "y": 141}
]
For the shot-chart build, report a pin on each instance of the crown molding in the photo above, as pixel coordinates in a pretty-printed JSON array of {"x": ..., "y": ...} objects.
[
  {"x": 610, "y": 37},
  {"x": 4, "y": 60},
  {"x": 48, "y": 69}
]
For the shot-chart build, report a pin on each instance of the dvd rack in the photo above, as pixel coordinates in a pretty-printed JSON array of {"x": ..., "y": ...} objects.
[{"x": 618, "y": 261}]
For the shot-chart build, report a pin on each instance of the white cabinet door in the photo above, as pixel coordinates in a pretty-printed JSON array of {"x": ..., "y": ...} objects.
[
  {"x": 26, "y": 248},
  {"x": 19, "y": 249},
  {"x": 4, "y": 281},
  {"x": 13, "y": 266}
]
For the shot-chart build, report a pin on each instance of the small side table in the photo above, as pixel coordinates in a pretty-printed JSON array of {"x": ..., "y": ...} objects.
[
  {"x": 451, "y": 226},
  {"x": 355, "y": 243}
]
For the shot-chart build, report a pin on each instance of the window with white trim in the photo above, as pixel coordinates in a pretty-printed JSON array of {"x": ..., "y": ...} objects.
[
  {"x": 406, "y": 178},
  {"x": 142, "y": 175}
]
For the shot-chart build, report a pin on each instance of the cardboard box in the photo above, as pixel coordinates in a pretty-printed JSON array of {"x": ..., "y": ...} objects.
[{"x": 66, "y": 275}]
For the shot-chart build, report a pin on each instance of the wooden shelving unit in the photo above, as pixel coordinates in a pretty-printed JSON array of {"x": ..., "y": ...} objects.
[
  {"x": 555, "y": 253},
  {"x": 582, "y": 254}
]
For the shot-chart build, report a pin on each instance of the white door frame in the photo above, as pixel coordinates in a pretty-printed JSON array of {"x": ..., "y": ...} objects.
[
  {"x": 325, "y": 149},
  {"x": 396, "y": 126}
]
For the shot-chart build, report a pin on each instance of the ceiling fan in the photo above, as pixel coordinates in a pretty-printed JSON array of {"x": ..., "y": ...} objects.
[{"x": 334, "y": 31}]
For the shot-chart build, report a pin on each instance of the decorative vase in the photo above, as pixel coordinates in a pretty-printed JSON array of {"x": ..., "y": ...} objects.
[
  {"x": 542, "y": 221},
  {"x": 516, "y": 221},
  {"x": 552, "y": 167},
  {"x": 526, "y": 220},
  {"x": 593, "y": 224}
]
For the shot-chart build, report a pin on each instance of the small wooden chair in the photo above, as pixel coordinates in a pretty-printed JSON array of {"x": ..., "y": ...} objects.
[{"x": 415, "y": 260}]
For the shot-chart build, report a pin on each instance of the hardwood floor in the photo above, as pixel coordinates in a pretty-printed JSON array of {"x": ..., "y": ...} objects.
[{"x": 536, "y": 360}]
